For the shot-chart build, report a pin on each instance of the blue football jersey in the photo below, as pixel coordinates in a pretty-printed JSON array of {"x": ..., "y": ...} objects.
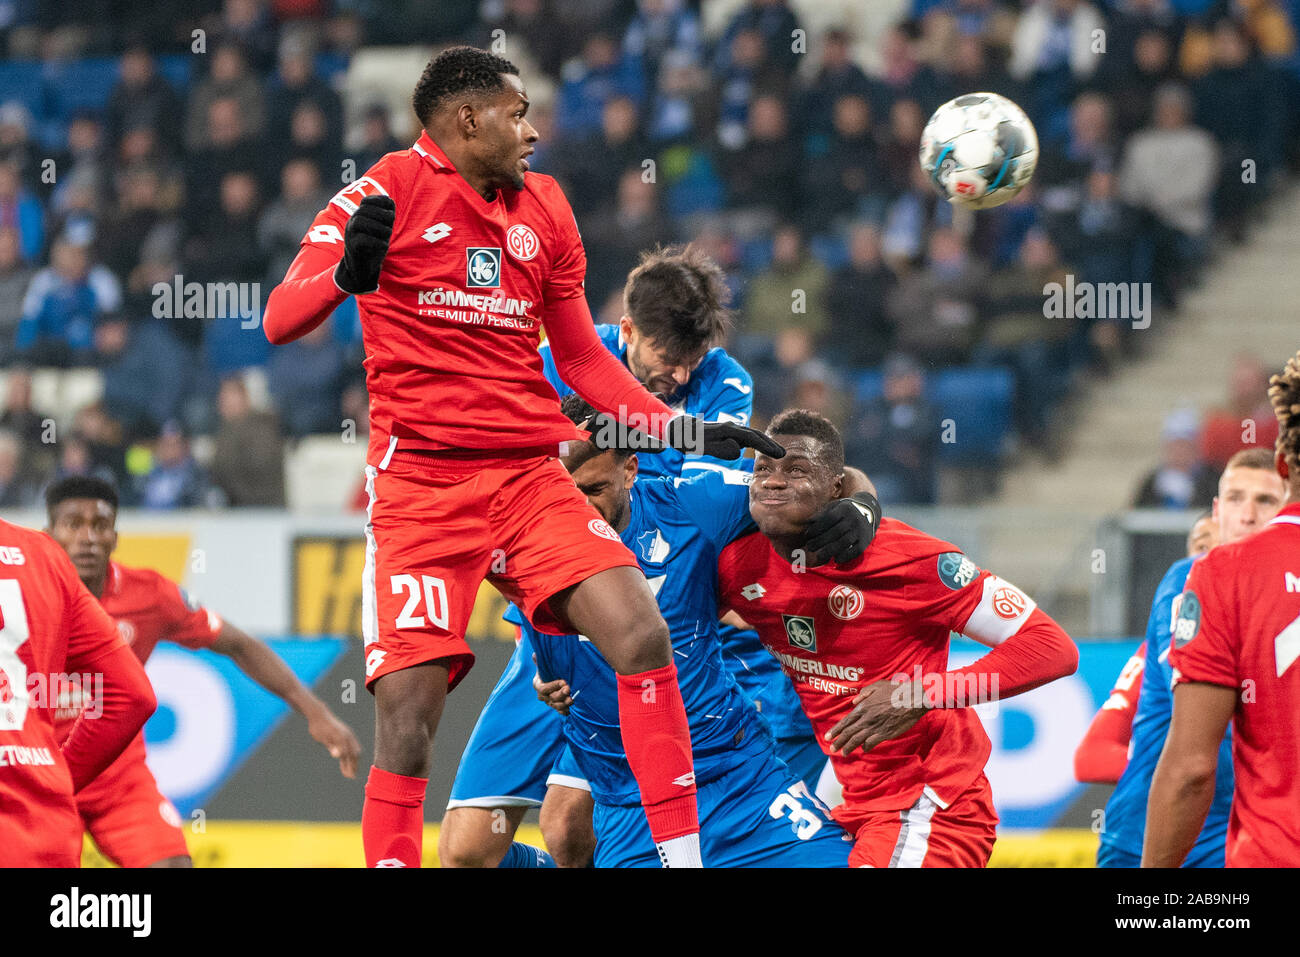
[
  {"x": 1126, "y": 812},
  {"x": 719, "y": 390},
  {"x": 676, "y": 529}
]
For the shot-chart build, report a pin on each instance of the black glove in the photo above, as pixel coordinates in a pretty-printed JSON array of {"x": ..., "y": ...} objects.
[
  {"x": 842, "y": 530},
  {"x": 722, "y": 440},
  {"x": 365, "y": 243}
]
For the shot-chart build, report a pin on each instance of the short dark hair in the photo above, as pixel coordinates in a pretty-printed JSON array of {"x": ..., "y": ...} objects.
[
  {"x": 458, "y": 70},
  {"x": 1255, "y": 458},
  {"x": 677, "y": 296},
  {"x": 79, "y": 486},
  {"x": 815, "y": 426},
  {"x": 578, "y": 411}
]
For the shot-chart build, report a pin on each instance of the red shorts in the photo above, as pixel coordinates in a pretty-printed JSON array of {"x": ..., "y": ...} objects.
[
  {"x": 440, "y": 523},
  {"x": 927, "y": 834},
  {"x": 38, "y": 830},
  {"x": 132, "y": 823}
]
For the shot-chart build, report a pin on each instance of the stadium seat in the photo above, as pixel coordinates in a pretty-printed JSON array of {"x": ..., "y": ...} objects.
[
  {"x": 977, "y": 400},
  {"x": 321, "y": 472},
  {"x": 176, "y": 69},
  {"x": 23, "y": 82},
  {"x": 81, "y": 85},
  {"x": 59, "y": 393}
]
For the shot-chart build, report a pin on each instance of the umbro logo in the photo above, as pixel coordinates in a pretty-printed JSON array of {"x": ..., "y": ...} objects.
[
  {"x": 436, "y": 232},
  {"x": 389, "y": 862},
  {"x": 685, "y": 780},
  {"x": 753, "y": 591}
]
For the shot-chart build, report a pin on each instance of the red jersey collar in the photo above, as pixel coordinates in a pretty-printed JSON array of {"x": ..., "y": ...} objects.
[
  {"x": 1288, "y": 513},
  {"x": 432, "y": 152}
]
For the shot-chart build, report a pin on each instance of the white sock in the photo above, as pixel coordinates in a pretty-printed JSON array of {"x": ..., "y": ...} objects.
[{"x": 681, "y": 851}]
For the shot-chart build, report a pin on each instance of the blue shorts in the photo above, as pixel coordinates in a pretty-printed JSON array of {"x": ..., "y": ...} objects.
[
  {"x": 804, "y": 758},
  {"x": 1108, "y": 855},
  {"x": 566, "y": 772},
  {"x": 756, "y": 815},
  {"x": 514, "y": 744}
]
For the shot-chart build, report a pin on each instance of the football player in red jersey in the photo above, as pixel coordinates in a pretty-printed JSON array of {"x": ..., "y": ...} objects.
[
  {"x": 458, "y": 256},
  {"x": 132, "y": 823},
  {"x": 866, "y": 646},
  {"x": 1235, "y": 648},
  {"x": 50, "y": 629}
]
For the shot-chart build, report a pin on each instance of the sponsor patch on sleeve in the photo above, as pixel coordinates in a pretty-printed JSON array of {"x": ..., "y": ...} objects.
[
  {"x": 1188, "y": 621},
  {"x": 1003, "y": 608},
  {"x": 350, "y": 196},
  {"x": 956, "y": 570}
]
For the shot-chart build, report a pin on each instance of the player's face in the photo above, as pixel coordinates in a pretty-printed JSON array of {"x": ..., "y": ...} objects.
[
  {"x": 787, "y": 492},
  {"x": 1247, "y": 500},
  {"x": 654, "y": 368},
  {"x": 506, "y": 137},
  {"x": 86, "y": 529},
  {"x": 605, "y": 480},
  {"x": 1203, "y": 536}
]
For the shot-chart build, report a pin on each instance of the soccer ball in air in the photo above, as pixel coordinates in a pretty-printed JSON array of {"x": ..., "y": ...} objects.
[{"x": 979, "y": 150}]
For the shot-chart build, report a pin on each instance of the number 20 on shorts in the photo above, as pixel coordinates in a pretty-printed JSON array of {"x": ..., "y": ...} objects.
[{"x": 433, "y": 593}]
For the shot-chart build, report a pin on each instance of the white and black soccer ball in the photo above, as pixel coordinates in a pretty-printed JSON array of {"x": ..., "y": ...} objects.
[{"x": 979, "y": 150}]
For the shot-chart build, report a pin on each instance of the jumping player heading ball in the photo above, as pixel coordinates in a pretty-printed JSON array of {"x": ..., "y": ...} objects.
[{"x": 459, "y": 256}]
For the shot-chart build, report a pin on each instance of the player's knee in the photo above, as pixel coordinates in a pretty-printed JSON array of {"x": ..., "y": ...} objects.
[
  {"x": 568, "y": 833},
  {"x": 403, "y": 741},
  {"x": 462, "y": 843}
]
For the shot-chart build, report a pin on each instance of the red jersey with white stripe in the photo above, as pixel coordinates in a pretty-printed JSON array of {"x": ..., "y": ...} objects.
[
  {"x": 452, "y": 333},
  {"x": 1239, "y": 626},
  {"x": 890, "y": 614},
  {"x": 146, "y": 608},
  {"x": 50, "y": 628}
]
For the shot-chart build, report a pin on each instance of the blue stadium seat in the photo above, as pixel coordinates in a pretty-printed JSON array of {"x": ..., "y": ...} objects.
[
  {"x": 978, "y": 400},
  {"x": 23, "y": 82},
  {"x": 81, "y": 85},
  {"x": 176, "y": 69},
  {"x": 831, "y": 250}
]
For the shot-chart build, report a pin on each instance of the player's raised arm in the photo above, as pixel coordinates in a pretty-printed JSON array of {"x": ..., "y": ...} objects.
[
  {"x": 319, "y": 278},
  {"x": 264, "y": 666},
  {"x": 1102, "y": 755}
]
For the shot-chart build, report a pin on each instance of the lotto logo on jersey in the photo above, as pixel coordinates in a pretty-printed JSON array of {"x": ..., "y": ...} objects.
[
  {"x": 801, "y": 632},
  {"x": 522, "y": 242},
  {"x": 956, "y": 570},
  {"x": 845, "y": 602},
  {"x": 482, "y": 266},
  {"x": 1189, "y": 619}
]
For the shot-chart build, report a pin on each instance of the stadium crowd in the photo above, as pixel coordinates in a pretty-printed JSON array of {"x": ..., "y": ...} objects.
[{"x": 132, "y": 162}]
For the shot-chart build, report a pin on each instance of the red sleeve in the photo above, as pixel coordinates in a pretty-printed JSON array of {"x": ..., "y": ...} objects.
[
  {"x": 1204, "y": 647},
  {"x": 595, "y": 373},
  {"x": 126, "y": 700},
  {"x": 1102, "y": 755},
  {"x": 187, "y": 622},
  {"x": 308, "y": 293}
]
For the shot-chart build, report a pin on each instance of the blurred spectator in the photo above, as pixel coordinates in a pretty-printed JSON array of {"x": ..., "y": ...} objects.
[
  {"x": 249, "y": 26},
  {"x": 595, "y": 164},
  {"x": 936, "y": 307},
  {"x": 102, "y": 438},
  {"x": 230, "y": 150},
  {"x": 741, "y": 73},
  {"x": 1245, "y": 421},
  {"x": 15, "y": 277},
  {"x": 818, "y": 389},
  {"x": 145, "y": 230},
  {"x": 141, "y": 97},
  {"x": 74, "y": 210},
  {"x": 1053, "y": 49},
  {"x": 1182, "y": 479},
  {"x": 377, "y": 137},
  {"x": 1018, "y": 336},
  {"x": 21, "y": 212},
  {"x": 248, "y": 462},
  {"x": 224, "y": 248},
  {"x": 773, "y": 23},
  {"x": 309, "y": 139},
  {"x": 175, "y": 480},
  {"x": 284, "y": 223},
  {"x": 230, "y": 79},
  {"x": 305, "y": 378},
  {"x": 614, "y": 238},
  {"x": 1091, "y": 146},
  {"x": 971, "y": 68},
  {"x": 1132, "y": 84},
  {"x": 85, "y": 158},
  {"x": 298, "y": 84},
  {"x": 590, "y": 81},
  {"x": 899, "y": 144},
  {"x": 662, "y": 29},
  {"x": 33, "y": 429},
  {"x": 536, "y": 23},
  {"x": 895, "y": 436},
  {"x": 788, "y": 299},
  {"x": 16, "y": 490},
  {"x": 67, "y": 308},
  {"x": 764, "y": 173},
  {"x": 837, "y": 76},
  {"x": 859, "y": 330},
  {"x": 16, "y": 148},
  {"x": 1169, "y": 172},
  {"x": 840, "y": 181},
  {"x": 76, "y": 458}
]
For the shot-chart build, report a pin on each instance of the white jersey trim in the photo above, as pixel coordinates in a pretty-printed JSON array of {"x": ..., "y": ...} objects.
[{"x": 914, "y": 835}]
